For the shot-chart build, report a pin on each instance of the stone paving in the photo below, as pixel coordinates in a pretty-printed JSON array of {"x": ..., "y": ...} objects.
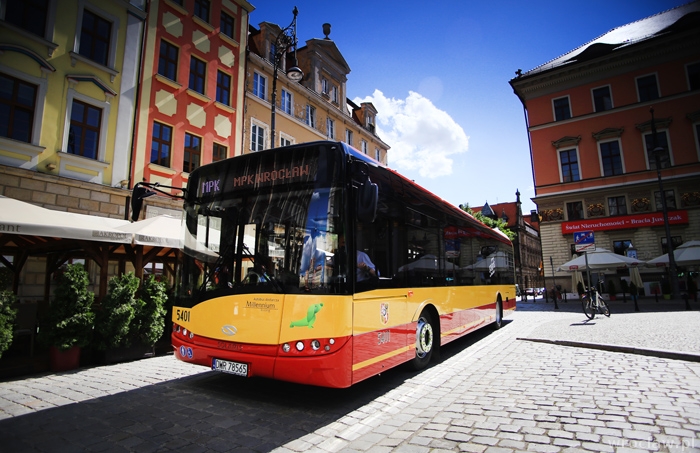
[
  {"x": 500, "y": 394},
  {"x": 532, "y": 396}
]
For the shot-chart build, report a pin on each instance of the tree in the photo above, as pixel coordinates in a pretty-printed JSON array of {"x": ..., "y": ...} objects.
[{"x": 499, "y": 223}]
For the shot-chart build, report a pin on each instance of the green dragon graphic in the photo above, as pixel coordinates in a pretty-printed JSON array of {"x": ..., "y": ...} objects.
[{"x": 310, "y": 317}]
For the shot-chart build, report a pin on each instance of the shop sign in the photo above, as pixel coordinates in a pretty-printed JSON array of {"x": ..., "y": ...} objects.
[{"x": 625, "y": 222}]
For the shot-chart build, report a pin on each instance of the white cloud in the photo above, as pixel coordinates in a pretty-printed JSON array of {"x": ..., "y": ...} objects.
[{"x": 422, "y": 137}]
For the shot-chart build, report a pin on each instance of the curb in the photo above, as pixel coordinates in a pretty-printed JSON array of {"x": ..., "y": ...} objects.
[{"x": 661, "y": 353}]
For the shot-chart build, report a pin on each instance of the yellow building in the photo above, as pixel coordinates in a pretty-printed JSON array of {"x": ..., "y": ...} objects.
[
  {"x": 314, "y": 108},
  {"x": 69, "y": 76}
]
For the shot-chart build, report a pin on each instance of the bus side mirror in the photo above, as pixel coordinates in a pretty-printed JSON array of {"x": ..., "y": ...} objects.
[
  {"x": 137, "y": 195},
  {"x": 367, "y": 198}
]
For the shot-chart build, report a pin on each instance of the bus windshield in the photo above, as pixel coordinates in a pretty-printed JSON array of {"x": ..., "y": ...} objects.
[{"x": 270, "y": 236}]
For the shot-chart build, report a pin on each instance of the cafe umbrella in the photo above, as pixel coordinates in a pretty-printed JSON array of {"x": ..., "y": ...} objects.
[{"x": 687, "y": 254}]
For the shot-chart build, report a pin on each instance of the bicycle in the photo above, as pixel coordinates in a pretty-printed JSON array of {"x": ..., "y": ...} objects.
[{"x": 594, "y": 303}]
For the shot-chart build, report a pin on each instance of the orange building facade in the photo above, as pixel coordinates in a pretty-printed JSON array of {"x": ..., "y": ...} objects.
[
  {"x": 192, "y": 88},
  {"x": 595, "y": 116}
]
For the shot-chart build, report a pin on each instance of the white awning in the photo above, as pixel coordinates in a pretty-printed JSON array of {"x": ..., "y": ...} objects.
[
  {"x": 159, "y": 231},
  {"x": 18, "y": 217}
]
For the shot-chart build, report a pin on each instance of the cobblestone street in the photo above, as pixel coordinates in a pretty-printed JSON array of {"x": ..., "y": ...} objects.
[{"x": 494, "y": 391}]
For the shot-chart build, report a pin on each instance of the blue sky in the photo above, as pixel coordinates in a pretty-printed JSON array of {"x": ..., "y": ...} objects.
[{"x": 438, "y": 74}]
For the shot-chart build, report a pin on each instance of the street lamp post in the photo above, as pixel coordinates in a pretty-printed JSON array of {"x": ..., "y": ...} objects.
[
  {"x": 657, "y": 152},
  {"x": 285, "y": 39}
]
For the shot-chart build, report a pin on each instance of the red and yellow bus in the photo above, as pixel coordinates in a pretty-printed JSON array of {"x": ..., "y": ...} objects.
[{"x": 269, "y": 285}]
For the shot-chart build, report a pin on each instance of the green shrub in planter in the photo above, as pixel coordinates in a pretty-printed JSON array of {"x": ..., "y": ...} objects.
[
  {"x": 7, "y": 319},
  {"x": 149, "y": 321},
  {"x": 117, "y": 313},
  {"x": 70, "y": 319},
  {"x": 6, "y": 277}
]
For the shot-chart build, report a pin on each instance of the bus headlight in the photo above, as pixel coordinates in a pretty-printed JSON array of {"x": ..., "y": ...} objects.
[
  {"x": 315, "y": 345},
  {"x": 300, "y": 346},
  {"x": 286, "y": 347}
]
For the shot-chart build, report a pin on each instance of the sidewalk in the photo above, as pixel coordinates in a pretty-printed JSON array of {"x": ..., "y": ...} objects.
[{"x": 662, "y": 329}]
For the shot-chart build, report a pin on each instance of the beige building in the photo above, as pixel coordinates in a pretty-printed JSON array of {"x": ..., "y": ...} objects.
[{"x": 315, "y": 108}]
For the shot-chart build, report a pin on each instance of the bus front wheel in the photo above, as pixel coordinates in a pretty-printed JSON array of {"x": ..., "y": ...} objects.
[{"x": 425, "y": 341}]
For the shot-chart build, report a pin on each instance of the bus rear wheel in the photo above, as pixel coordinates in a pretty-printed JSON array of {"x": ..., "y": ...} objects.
[
  {"x": 425, "y": 341},
  {"x": 498, "y": 323}
]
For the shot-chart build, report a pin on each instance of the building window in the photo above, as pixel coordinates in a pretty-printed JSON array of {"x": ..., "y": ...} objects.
[
  {"x": 259, "y": 83},
  {"x": 310, "y": 116},
  {"x": 611, "y": 159},
  {"x": 95, "y": 37},
  {"x": 617, "y": 206},
  {"x": 569, "y": 165},
  {"x": 602, "y": 100},
  {"x": 661, "y": 142},
  {"x": 84, "y": 132},
  {"x": 574, "y": 210},
  {"x": 218, "y": 152},
  {"x": 286, "y": 102},
  {"x": 324, "y": 86},
  {"x": 161, "y": 143},
  {"x": 226, "y": 25},
  {"x": 257, "y": 137},
  {"x": 285, "y": 141},
  {"x": 376, "y": 153},
  {"x": 364, "y": 146},
  {"x": 348, "y": 137},
  {"x": 620, "y": 247},
  {"x": 647, "y": 89},
  {"x": 561, "y": 109},
  {"x": 201, "y": 9},
  {"x": 17, "y": 105},
  {"x": 167, "y": 60},
  {"x": 670, "y": 200},
  {"x": 334, "y": 94},
  {"x": 29, "y": 15},
  {"x": 330, "y": 128},
  {"x": 693, "y": 71},
  {"x": 193, "y": 153},
  {"x": 675, "y": 240},
  {"x": 223, "y": 88},
  {"x": 198, "y": 70}
]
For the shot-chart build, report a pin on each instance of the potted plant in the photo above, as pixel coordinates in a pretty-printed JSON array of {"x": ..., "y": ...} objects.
[
  {"x": 666, "y": 288},
  {"x": 7, "y": 319},
  {"x": 116, "y": 314},
  {"x": 150, "y": 313},
  {"x": 611, "y": 290},
  {"x": 131, "y": 320},
  {"x": 69, "y": 319}
]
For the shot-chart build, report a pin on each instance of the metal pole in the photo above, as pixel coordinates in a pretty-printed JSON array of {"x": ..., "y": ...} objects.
[
  {"x": 588, "y": 275},
  {"x": 673, "y": 272},
  {"x": 282, "y": 43},
  {"x": 274, "y": 100},
  {"x": 554, "y": 279}
]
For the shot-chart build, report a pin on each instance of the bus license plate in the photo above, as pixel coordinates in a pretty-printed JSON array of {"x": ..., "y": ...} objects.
[{"x": 226, "y": 366}]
